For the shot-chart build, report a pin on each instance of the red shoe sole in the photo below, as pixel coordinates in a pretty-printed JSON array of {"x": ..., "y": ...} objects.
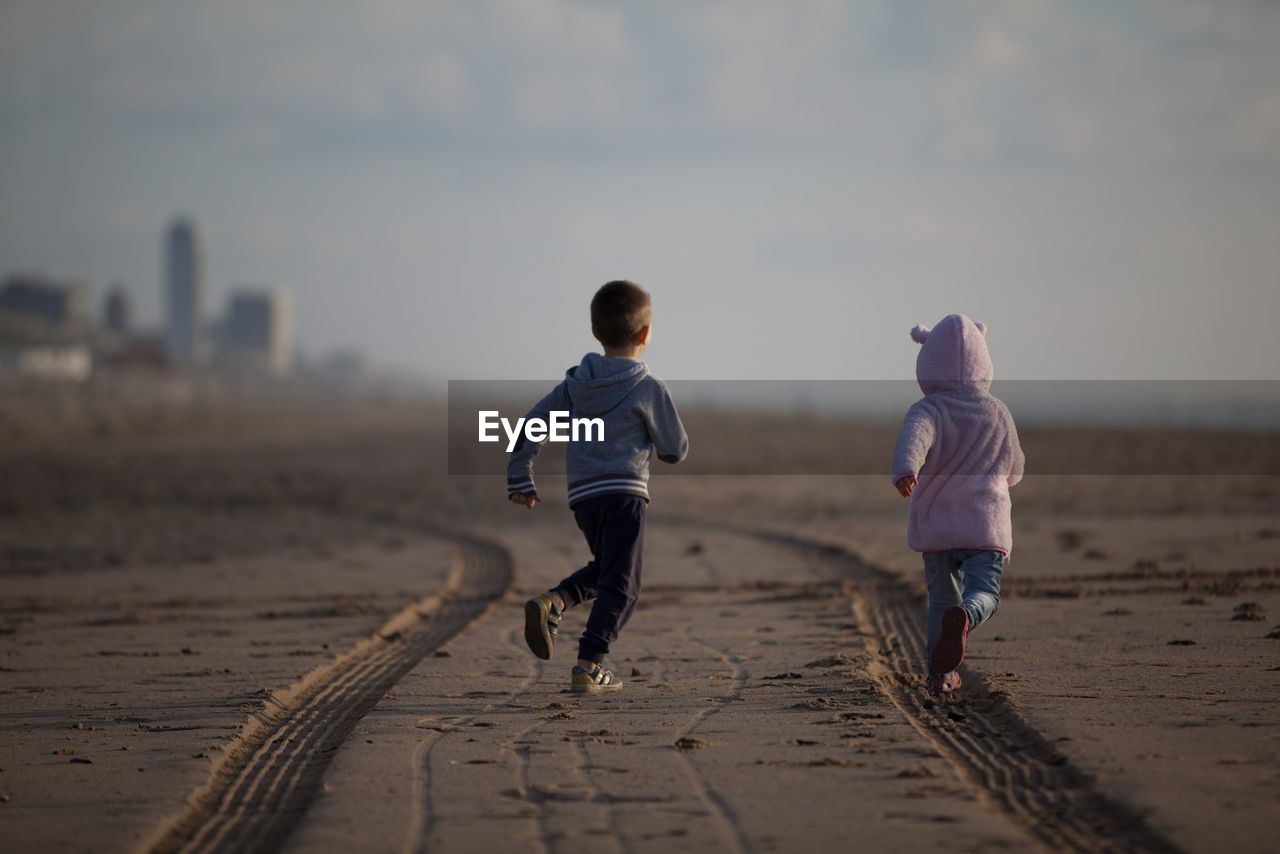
[
  {"x": 949, "y": 650},
  {"x": 943, "y": 686}
]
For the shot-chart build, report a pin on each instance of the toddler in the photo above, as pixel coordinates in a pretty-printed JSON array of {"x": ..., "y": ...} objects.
[{"x": 956, "y": 456}]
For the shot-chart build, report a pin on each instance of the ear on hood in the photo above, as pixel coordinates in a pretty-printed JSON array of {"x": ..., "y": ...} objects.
[{"x": 920, "y": 332}]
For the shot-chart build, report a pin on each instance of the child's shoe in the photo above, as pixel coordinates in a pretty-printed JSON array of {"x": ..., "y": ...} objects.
[
  {"x": 948, "y": 652},
  {"x": 595, "y": 681},
  {"x": 943, "y": 684},
  {"x": 541, "y": 624}
]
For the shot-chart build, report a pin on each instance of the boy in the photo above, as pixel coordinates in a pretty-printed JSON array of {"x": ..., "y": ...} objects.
[
  {"x": 956, "y": 456},
  {"x": 608, "y": 491}
]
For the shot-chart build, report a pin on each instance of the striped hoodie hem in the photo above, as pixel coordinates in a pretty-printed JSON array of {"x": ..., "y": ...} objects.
[{"x": 608, "y": 484}]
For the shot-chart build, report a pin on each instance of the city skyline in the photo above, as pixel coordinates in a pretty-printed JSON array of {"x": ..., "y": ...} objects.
[{"x": 62, "y": 328}]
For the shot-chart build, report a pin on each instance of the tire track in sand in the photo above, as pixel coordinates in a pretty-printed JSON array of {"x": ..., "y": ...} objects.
[
  {"x": 422, "y": 822},
  {"x": 714, "y": 802},
  {"x": 1014, "y": 768},
  {"x": 256, "y": 797}
]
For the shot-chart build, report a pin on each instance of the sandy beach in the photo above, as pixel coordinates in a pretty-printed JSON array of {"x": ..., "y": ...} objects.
[
  {"x": 292, "y": 295},
  {"x": 291, "y": 629}
]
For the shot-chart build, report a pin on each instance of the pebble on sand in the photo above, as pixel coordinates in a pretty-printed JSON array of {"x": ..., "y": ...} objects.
[
  {"x": 687, "y": 743},
  {"x": 918, "y": 772},
  {"x": 1250, "y": 612}
]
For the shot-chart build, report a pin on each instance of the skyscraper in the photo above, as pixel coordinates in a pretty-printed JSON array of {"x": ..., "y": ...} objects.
[
  {"x": 116, "y": 311},
  {"x": 184, "y": 292},
  {"x": 257, "y": 332}
]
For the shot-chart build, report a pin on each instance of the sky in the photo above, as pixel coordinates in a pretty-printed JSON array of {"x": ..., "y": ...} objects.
[{"x": 444, "y": 184}]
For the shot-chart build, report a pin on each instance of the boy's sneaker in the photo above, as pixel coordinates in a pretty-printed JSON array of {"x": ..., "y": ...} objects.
[
  {"x": 948, "y": 652},
  {"x": 594, "y": 681},
  {"x": 943, "y": 684},
  {"x": 541, "y": 624}
]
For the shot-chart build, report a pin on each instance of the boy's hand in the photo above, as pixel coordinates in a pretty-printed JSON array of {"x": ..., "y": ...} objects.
[
  {"x": 905, "y": 485},
  {"x": 529, "y": 501}
]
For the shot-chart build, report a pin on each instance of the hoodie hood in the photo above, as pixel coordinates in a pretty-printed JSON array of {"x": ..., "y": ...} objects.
[
  {"x": 600, "y": 383},
  {"x": 953, "y": 356}
]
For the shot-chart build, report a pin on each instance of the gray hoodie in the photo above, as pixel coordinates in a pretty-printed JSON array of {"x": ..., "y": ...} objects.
[{"x": 639, "y": 419}]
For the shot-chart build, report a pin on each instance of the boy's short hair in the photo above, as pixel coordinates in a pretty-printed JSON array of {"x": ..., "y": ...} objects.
[{"x": 619, "y": 310}]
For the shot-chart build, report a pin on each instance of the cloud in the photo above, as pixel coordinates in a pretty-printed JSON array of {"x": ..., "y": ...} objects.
[
  {"x": 1261, "y": 125},
  {"x": 267, "y": 231},
  {"x": 1013, "y": 82},
  {"x": 440, "y": 83},
  {"x": 997, "y": 50},
  {"x": 257, "y": 135}
]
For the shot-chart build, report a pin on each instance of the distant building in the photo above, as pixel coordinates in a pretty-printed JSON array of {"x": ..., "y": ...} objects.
[
  {"x": 65, "y": 362},
  {"x": 345, "y": 367},
  {"x": 257, "y": 332},
  {"x": 116, "y": 311},
  {"x": 44, "y": 328},
  {"x": 184, "y": 292},
  {"x": 54, "y": 304}
]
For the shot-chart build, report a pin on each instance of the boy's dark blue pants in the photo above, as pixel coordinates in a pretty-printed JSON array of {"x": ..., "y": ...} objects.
[{"x": 614, "y": 528}]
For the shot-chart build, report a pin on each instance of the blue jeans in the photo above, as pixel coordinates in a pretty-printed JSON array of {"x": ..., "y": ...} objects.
[{"x": 968, "y": 577}]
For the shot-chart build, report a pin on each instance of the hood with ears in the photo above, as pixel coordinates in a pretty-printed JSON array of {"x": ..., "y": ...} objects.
[{"x": 953, "y": 356}]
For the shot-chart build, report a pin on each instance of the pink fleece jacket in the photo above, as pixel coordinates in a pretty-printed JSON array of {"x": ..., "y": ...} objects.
[{"x": 960, "y": 442}]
